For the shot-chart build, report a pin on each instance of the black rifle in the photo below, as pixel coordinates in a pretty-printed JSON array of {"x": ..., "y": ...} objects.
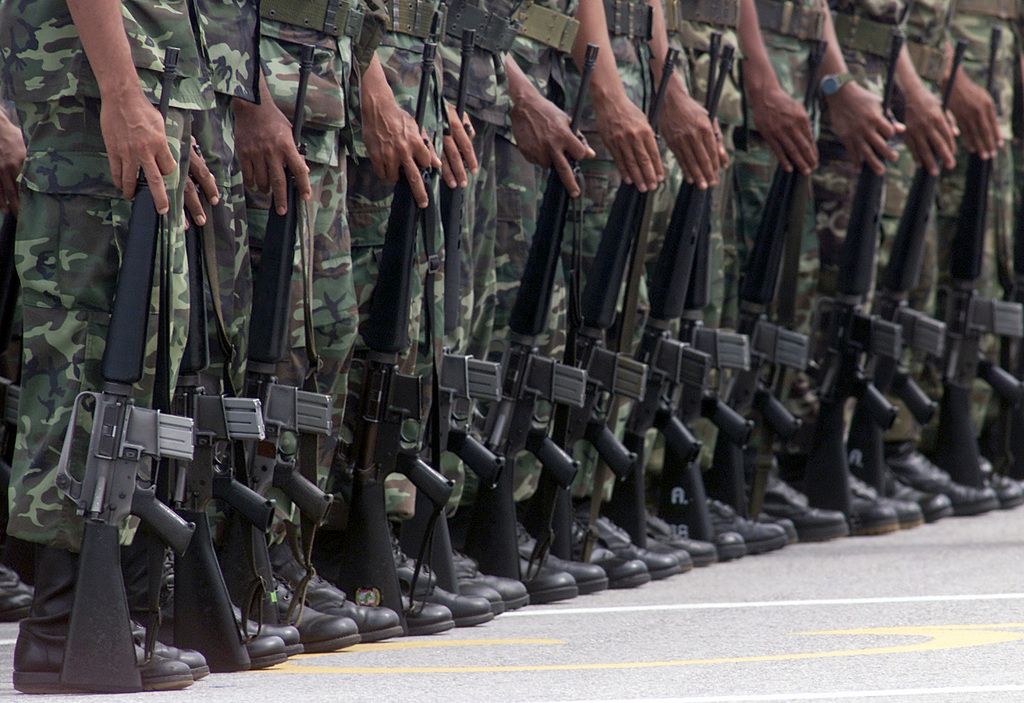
[
  {"x": 849, "y": 335},
  {"x": 968, "y": 317},
  {"x": 1013, "y": 439},
  {"x": 9, "y": 389},
  {"x": 772, "y": 348},
  {"x": 387, "y": 399},
  {"x": 100, "y": 651},
  {"x": 528, "y": 379},
  {"x": 919, "y": 332},
  {"x": 451, "y": 206},
  {"x": 203, "y": 616}
]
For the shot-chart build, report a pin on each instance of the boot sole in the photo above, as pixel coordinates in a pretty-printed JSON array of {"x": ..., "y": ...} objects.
[
  {"x": 517, "y": 603},
  {"x": 823, "y": 533},
  {"x": 550, "y": 595},
  {"x": 472, "y": 620},
  {"x": 659, "y": 574},
  {"x": 430, "y": 629},
  {"x": 633, "y": 581},
  {"x": 331, "y": 645},
  {"x": 37, "y": 682},
  {"x": 978, "y": 508},
  {"x": 871, "y": 531},
  {"x": 385, "y": 633},
  {"x": 267, "y": 661},
  {"x": 586, "y": 588}
]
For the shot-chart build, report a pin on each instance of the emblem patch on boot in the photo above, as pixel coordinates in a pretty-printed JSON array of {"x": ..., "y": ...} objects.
[{"x": 368, "y": 596}]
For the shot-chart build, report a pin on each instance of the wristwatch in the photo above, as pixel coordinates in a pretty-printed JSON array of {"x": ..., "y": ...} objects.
[{"x": 831, "y": 83}]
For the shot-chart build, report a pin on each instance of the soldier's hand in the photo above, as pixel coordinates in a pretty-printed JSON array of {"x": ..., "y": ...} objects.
[
  {"x": 975, "y": 114},
  {"x": 12, "y": 157},
  {"x": 931, "y": 134},
  {"x": 784, "y": 124},
  {"x": 135, "y": 138},
  {"x": 266, "y": 151},
  {"x": 459, "y": 155},
  {"x": 691, "y": 136},
  {"x": 543, "y": 136},
  {"x": 199, "y": 178},
  {"x": 624, "y": 129},
  {"x": 395, "y": 145},
  {"x": 857, "y": 119}
]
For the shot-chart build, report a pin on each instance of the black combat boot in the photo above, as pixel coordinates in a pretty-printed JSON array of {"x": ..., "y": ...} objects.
[
  {"x": 15, "y": 596},
  {"x": 39, "y": 652}
]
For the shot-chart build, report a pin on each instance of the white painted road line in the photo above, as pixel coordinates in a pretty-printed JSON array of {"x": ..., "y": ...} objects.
[
  {"x": 818, "y": 696},
  {"x": 546, "y": 612}
]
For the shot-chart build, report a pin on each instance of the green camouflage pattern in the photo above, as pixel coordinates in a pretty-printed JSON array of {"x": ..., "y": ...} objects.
[
  {"x": 71, "y": 230},
  {"x": 230, "y": 30},
  {"x": 43, "y": 58},
  {"x": 694, "y": 37}
]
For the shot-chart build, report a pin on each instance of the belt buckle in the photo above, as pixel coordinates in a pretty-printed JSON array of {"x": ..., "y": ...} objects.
[{"x": 629, "y": 23}]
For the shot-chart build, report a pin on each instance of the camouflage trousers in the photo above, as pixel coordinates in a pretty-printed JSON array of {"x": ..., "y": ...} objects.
[
  {"x": 71, "y": 231},
  {"x": 228, "y": 230}
]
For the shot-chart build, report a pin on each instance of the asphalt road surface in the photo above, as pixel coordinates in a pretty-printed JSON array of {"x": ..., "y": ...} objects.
[{"x": 930, "y": 614}]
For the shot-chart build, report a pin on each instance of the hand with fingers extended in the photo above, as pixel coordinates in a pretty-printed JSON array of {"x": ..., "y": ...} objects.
[
  {"x": 135, "y": 139},
  {"x": 624, "y": 129},
  {"x": 931, "y": 132},
  {"x": 266, "y": 150},
  {"x": 692, "y": 137},
  {"x": 858, "y": 121},
  {"x": 12, "y": 157},
  {"x": 784, "y": 124},
  {"x": 199, "y": 179},
  {"x": 459, "y": 155},
  {"x": 394, "y": 144},
  {"x": 975, "y": 113}
]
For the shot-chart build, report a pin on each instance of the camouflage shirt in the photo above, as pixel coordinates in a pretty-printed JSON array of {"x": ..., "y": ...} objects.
[
  {"x": 43, "y": 59},
  {"x": 230, "y": 31}
]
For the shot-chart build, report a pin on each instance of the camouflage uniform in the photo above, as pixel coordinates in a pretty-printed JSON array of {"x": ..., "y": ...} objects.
[{"x": 72, "y": 226}]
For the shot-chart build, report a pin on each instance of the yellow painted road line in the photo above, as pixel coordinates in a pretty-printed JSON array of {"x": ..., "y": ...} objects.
[
  {"x": 548, "y": 611},
  {"x": 934, "y": 637}
]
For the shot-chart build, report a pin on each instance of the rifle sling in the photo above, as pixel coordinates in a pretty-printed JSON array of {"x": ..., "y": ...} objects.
[{"x": 207, "y": 238}]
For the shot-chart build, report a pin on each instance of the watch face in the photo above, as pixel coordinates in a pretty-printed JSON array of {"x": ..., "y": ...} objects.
[{"x": 829, "y": 85}]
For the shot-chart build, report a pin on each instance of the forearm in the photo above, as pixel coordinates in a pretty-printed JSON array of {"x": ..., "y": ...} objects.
[
  {"x": 833, "y": 62},
  {"x": 101, "y": 29},
  {"x": 606, "y": 85}
]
